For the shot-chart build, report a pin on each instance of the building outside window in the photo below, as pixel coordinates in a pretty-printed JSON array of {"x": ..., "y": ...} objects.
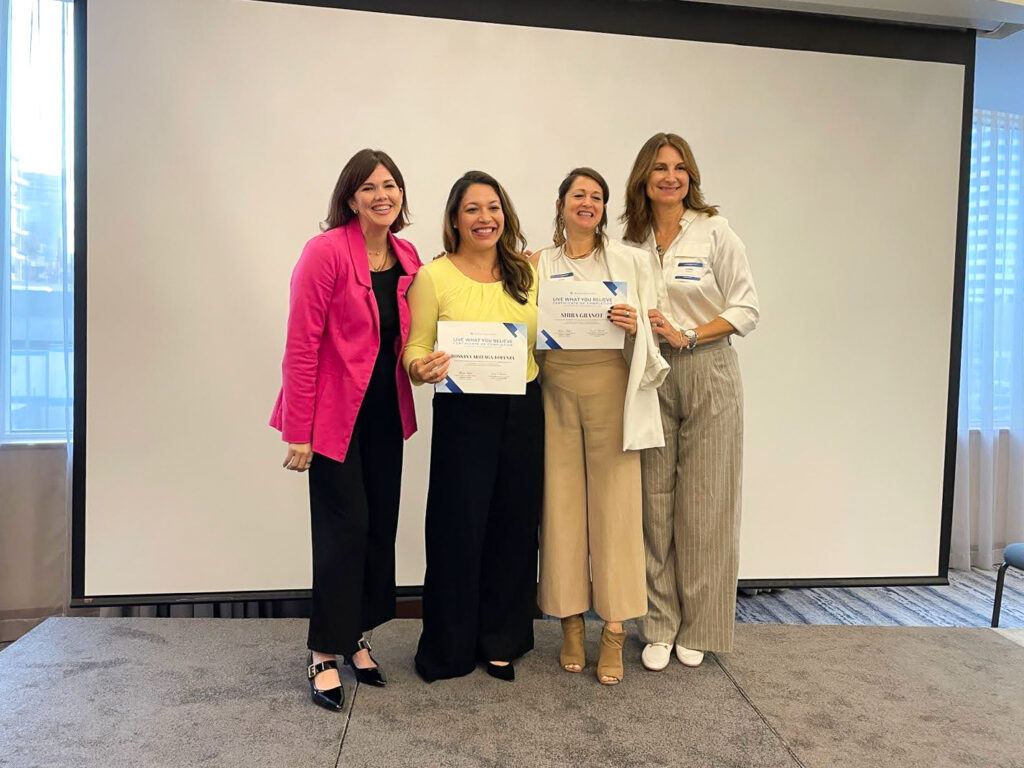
[{"x": 36, "y": 291}]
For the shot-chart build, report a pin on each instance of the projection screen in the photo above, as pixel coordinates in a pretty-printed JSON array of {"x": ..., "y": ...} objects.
[{"x": 216, "y": 130}]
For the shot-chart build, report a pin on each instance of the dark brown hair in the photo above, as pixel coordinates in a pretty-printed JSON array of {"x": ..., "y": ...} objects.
[
  {"x": 357, "y": 170},
  {"x": 638, "y": 216},
  {"x": 563, "y": 190},
  {"x": 516, "y": 274}
]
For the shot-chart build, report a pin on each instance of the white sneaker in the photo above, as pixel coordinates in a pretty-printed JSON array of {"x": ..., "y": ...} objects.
[
  {"x": 656, "y": 656},
  {"x": 688, "y": 657}
]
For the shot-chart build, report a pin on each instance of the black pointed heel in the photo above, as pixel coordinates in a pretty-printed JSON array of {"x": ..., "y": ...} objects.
[
  {"x": 332, "y": 698},
  {"x": 370, "y": 675},
  {"x": 506, "y": 672}
]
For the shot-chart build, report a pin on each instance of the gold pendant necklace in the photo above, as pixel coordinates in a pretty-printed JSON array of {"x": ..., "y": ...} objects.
[{"x": 382, "y": 265}]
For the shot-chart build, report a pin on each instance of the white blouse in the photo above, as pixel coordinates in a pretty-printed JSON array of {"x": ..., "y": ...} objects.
[
  {"x": 592, "y": 267},
  {"x": 641, "y": 423},
  {"x": 704, "y": 274}
]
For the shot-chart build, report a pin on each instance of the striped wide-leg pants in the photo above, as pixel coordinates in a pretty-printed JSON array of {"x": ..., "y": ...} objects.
[{"x": 692, "y": 501}]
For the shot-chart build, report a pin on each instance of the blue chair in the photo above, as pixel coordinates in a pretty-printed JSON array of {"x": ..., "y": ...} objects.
[{"x": 1012, "y": 555}]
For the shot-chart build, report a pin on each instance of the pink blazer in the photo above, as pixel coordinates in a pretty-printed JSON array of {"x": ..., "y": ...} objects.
[{"x": 333, "y": 338}]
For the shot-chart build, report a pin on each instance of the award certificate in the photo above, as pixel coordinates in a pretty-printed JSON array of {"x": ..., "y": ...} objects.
[
  {"x": 573, "y": 314},
  {"x": 487, "y": 358}
]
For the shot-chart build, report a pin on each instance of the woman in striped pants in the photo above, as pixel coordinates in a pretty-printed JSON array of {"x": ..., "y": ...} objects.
[{"x": 692, "y": 484}]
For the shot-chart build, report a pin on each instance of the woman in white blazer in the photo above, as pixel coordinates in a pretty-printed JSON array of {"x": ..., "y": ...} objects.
[{"x": 600, "y": 409}]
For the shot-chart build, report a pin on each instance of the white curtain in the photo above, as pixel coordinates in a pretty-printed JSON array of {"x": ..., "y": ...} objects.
[{"x": 988, "y": 511}]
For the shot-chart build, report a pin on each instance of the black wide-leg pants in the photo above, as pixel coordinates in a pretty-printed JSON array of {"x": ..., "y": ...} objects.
[
  {"x": 354, "y": 520},
  {"x": 483, "y": 509}
]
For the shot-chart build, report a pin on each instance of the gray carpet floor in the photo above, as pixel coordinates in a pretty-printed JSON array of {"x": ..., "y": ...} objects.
[{"x": 208, "y": 692}]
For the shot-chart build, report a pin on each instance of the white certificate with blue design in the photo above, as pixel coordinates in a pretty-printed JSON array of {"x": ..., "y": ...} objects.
[
  {"x": 487, "y": 358},
  {"x": 573, "y": 314}
]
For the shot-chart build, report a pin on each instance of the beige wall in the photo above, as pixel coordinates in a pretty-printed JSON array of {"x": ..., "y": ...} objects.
[{"x": 33, "y": 536}]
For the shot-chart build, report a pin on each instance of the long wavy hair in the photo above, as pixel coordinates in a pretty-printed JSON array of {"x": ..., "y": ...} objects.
[
  {"x": 356, "y": 171},
  {"x": 563, "y": 190},
  {"x": 516, "y": 274},
  {"x": 638, "y": 216}
]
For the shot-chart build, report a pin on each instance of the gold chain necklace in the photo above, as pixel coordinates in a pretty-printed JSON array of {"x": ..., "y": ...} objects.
[
  {"x": 565, "y": 250},
  {"x": 380, "y": 266}
]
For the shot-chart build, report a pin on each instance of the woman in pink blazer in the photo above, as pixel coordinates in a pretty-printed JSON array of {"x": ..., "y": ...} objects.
[{"x": 344, "y": 409}]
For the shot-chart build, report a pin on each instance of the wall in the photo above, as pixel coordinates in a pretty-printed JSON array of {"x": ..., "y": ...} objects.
[{"x": 33, "y": 536}]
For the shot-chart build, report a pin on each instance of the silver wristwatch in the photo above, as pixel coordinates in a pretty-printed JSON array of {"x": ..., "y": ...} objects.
[{"x": 691, "y": 338}]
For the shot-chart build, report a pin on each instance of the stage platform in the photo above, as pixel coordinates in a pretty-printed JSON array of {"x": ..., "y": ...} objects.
[{"x": 111, "y": 693}]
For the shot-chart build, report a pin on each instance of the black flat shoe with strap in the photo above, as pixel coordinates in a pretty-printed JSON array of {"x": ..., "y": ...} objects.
[
  {"x": 331, "y": 698},
  {"x": 367, "y": 675}
]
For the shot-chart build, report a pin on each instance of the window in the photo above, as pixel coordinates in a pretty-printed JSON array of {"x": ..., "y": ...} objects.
[
  {"x": 36, "y": 292},
  {"x": 992, "y": 345}
]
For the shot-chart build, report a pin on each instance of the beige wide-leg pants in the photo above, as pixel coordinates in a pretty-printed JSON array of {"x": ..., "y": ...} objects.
[
  {"x": 592, "y": 524},
  {"x": 692, "y": 501}
]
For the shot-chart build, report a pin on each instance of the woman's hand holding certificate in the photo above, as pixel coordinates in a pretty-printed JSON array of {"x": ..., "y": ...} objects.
[
  {"x": 431, "y": 368},
  {"x": 486, "y": 358},
  {"x": 574, "y": 314},
  {"x": 625, "y": 316}
]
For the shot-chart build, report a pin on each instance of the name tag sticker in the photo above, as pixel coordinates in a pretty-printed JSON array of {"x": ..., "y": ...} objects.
[{"x": 689, "y": 270}]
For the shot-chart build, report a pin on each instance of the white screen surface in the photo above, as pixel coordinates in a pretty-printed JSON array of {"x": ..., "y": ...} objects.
[{"x": 216, "y": 130}]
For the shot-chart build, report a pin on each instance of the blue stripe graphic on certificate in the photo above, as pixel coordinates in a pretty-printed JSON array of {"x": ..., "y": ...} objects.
[
  {"x": 564, "y": 274},
  {"x": 545, "y": 341},
  {"x": 516, "y": 328},
  {"x": 615, "y": 287},
  {"x": 690, "y": 264},
  {"x": 687, "y": 277},
  {"x": 449, "y": 386}
]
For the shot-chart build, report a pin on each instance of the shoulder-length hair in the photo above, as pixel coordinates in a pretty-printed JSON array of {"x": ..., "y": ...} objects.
[
  {"x": 638, "y": 216},
  {"x": 357, "y": 170},
  {"x": 563, "y": 190},
  {"x": 516, "y": 275}
]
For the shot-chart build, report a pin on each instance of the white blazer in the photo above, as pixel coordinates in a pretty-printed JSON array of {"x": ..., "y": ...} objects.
[{"x": 641, "y": 422}]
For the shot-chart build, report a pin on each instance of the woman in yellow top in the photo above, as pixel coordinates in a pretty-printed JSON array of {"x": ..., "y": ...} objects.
[{"x": 486, "y": 451}]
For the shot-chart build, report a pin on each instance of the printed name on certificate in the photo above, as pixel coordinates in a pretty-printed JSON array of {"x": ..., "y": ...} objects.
[
  {"x": 573, "y": 314},
  {"x": 487, "y": 358}
]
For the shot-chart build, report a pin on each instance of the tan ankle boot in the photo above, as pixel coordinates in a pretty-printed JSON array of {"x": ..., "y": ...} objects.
[
  {"x": 573, "y": 658},
  {"x": 609, "y": 664}
]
